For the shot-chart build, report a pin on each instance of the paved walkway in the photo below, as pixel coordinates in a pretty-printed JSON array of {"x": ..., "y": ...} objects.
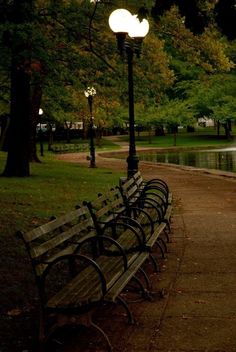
[
  {"x": 198, "y": 310},
  {"x": 199, "y": 313}
]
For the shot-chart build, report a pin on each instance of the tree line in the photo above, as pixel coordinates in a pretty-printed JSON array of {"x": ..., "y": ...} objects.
[{"x": 51, "y": 50}]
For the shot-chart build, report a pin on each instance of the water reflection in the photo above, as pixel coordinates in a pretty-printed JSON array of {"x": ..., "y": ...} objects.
[{"x": 220, "y": 159}]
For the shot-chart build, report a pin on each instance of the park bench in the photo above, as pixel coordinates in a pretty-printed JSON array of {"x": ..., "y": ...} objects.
[
  {"x": 76, "y": 270},
  {"x": 111, "y": 207},
  {"x": 154, "y": 184},
  {"x": 155, "y": 192},
  {"x": 69, "y": 148}
]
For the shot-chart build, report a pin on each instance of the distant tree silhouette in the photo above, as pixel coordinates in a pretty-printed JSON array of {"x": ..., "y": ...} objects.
[{"x": 195, "y": 18}]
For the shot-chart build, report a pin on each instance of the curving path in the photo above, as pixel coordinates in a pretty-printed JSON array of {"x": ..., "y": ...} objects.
[{"x": 198, "y": 310}]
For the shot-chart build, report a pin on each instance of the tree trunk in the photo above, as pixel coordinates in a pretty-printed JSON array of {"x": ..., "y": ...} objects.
[
  {"x": 50, "y": 136},
  {"x": 68, "y": 126},
  {"x": 227, "y": 129},
  {"x": 34, "y": 120},
  {"x": 18, "y": 142},
  {"x": 4, "y": 134},
  {"x": 175, "y": 139},
  {"x": 159, "y": 131},
  {"x": 150, "y": 135},
  {"x": 218, "y": 128},
  {"x": 19, "y": 129}
]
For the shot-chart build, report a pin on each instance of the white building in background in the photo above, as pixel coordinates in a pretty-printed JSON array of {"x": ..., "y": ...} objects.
[
  {"x": 206, "y": 122},
  {"x": 44, "y": 127},
  {"x": 77, "y": 125}
]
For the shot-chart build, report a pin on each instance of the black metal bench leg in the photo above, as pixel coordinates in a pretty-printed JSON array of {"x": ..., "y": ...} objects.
[
  {"x": 161, "y": 249},
  {"x": 155, "y": 263},
  {"x": 109, "y": 346},
  {"x": 44, "y": 339},
  {"x": 167, "y": 236},
  {"x": 146, "y": 278},
  {"x": 168, "y": 225},
  {"x": 163, "y": 243},
  {"x": 128, "y": 311},
  {"x": 145, "y": 292}
]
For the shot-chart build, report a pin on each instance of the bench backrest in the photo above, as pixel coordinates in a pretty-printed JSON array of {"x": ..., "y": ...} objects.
[
  {"x": 157, "y": 181},
  {"x": 106, "y": 207},
  {"x": 130, "y": 191},
  {"x": 138, "y": 179},
  {"x": 156, "y": 184},
  {"x": 58, "y": 237}
]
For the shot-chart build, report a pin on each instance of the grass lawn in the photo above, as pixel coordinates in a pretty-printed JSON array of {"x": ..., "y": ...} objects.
[
  {"x": 205, "y": 137},
  {"x": 54, "y": 188}
]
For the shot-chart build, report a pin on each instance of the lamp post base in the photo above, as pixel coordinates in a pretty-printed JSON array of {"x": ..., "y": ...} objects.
[
  {"x": 92, "y": 162},
  {"x": 92, "y": 165},
  {"x": 132, "y": 161}
]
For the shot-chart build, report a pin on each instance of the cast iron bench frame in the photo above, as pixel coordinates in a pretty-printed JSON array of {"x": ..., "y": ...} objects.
[
  {"x": 108, "y": 271},
  {"x": 155, "y": 190},
  {"x": 144, "y": 216}
]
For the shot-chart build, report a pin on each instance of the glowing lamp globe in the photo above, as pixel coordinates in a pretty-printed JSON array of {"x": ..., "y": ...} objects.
[
  {"x": 120, "y": 20},
  {"x": 138, "y": 29}
]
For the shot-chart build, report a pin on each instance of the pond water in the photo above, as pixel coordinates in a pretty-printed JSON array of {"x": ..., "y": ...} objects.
[{"x": 220, "y": 159}]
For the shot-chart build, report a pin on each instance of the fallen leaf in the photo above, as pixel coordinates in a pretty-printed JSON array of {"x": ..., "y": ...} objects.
[
  {"x": 14, "y": 312},
  {"x": 200, "y": 301}
]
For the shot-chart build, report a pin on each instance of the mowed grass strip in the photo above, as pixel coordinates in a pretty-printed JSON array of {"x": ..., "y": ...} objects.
[
  {"x": 53, "y": 188},
  {"x": 201, "y": 138}
]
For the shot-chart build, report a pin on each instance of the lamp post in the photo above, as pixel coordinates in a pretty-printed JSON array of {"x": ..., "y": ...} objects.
[
  {"x": 90, "y": 92},
  {"x": 41, "y": 133},
  {"x": 123, "y": 23}
]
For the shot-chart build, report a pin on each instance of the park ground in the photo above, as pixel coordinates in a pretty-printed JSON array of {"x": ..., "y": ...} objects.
[
  {"x": 197, "y": 311},
  {"x": 196, "y": 308}
]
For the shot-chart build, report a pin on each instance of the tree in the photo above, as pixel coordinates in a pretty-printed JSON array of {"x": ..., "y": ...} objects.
[
  {"x": 206, "y": 50},
  {"x": 64, "y": 46},
  {"x": 35, "y": 38},
  {"x": 18, "y": 158},
  {"x": 197, "y": 13},
  {"x": 212, "y": 97}
]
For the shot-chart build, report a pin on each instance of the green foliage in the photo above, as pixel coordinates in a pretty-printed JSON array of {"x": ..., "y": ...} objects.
[
  {"x": 206, "y": 50},
  {"x": 213, "y": 96},
  {"x": 72, "y": 47}
]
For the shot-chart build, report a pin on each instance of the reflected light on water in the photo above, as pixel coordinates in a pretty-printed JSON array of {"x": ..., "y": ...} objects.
[{"x": 219, "y": 159}]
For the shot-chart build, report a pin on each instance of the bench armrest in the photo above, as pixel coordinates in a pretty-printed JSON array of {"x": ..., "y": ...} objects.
[
  {"x": 141, "y": 210},
  {"x": 156, "y": 181},
  {"x": 153, "y": 203},
  {"x": 129, "y": 224},
  {"x": 69, "y": 258},
  {"x": 98, "y": 241},
  {"x": 162, "y": 195}
]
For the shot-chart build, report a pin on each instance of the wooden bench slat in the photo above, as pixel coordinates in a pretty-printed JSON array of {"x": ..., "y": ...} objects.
[
  {"x": 120, "y": 284},
  {"x": 156, "y": 234},
  {"x": 54, "y": 224},
  {"x": 39, "y": 250}
]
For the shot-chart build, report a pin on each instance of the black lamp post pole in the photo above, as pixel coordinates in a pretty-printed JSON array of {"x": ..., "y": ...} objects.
[
  {"x": 123, "y": 23},
  {"x": 91, "y": 129},
  {"x": 132, "y": 159}
]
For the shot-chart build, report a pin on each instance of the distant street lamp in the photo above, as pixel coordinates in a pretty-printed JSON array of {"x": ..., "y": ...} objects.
[
  {"x": 41, "y": 133},
  {"x": 123, "y": 23},
  {"x": 90, "y": 92}
]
